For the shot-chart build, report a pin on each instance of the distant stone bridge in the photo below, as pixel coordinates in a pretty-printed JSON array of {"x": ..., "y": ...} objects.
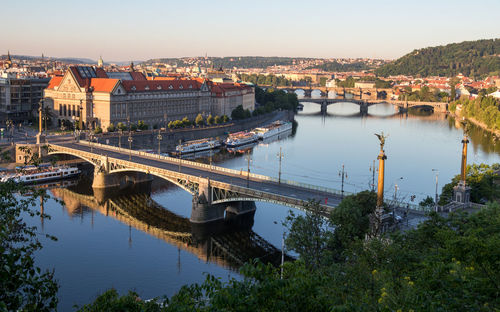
[{"x": 364, "y": 104}]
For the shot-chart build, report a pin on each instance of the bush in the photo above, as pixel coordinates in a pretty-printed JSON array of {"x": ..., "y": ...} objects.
[
  {"x": 111, "y": 127},
  {"x": 142, "y": 126},
  {"x": 225, "y": 118},
  {"x": 186, "y": 122},
  {"x": 121, "y": 126},
  {"x": 98, "y": 130}
]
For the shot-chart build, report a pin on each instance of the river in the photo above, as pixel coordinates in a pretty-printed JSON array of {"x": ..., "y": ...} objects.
[{"x": 129, "y": 249}]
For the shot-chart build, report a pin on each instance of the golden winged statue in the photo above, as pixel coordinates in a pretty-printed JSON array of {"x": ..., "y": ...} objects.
[{"x": 382, "y": 138}]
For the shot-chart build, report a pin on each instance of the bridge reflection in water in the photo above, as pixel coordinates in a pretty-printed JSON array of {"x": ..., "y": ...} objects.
[{"x": 229, "y": 243}]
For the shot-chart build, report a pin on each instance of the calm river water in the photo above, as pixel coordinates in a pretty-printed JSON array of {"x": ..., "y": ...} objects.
[{"x": 129, "y": 249}]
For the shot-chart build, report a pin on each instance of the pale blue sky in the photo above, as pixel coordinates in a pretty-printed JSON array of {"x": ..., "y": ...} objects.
[{"x": 122, "y": 30}]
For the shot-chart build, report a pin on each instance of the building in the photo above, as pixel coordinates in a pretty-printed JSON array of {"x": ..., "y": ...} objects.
[
  {"x": 105, "y": 98},
  {"x": 227, "y": 96},
  {"x": 20, "y": 97},
  {"x": 364, "y": 85}
]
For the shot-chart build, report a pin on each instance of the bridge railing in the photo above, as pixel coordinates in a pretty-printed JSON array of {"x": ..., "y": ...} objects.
[{"x": 220, "y": 169}]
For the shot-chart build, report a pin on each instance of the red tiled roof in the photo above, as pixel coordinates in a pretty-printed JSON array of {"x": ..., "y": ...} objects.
[
  {"x": 160, "y": 85},
  {"x": 100, "y": 73},
  {"x": 54, "y": 82},
  {"x": 103, "y": 84},
  {"x": 137, "y": 76}
]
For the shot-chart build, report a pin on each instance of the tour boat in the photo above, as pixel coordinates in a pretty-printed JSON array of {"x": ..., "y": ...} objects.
[
  {"x": 275, "y": 128},
  {"x": 197, "y": 146},
  {"x": 42, "y": 173},
  {"x": 241, "y": 138}
]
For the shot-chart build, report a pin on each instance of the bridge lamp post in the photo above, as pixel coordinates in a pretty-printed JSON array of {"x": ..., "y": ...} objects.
[
  {"x": 212, "y": 145},
  {"x": 130, "y": 140},
  {"x": 120, "y": 133},
  {"x": 437, "y": 174},
  {"x": 248, "y": 169},
  {"x": 280, "y": 156},
  {"x": 180, "y": 154},
  {"x": 159, "y": 137},
  {"x": 91, "y": 137}
]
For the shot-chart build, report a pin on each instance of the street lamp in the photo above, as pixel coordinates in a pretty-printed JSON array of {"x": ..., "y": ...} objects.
[
  {"x": 91, "y": 136},
  {"x": 282, "y": 251},
  {"x": 437, "y": 174},
  {"x": 343, "y": 174},
  {"x": 159, "y": 137},
  {"x": 130, "y": 140}
]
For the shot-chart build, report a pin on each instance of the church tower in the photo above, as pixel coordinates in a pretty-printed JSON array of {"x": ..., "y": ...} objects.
[{"x": 100, "y": 62}]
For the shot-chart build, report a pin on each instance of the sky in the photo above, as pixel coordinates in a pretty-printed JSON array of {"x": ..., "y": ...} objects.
[{"x": 139, "y": 30}]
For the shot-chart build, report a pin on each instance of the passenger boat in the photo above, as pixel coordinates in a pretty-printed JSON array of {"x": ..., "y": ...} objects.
[
  {"x": 241, "y": 138},
  {"x": 273, "y": 129},
  {"x": 197, "y": 146},
  {"x": 42, "y": 173}
]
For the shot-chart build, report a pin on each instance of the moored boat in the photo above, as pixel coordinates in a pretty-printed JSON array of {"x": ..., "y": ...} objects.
[
  {"x": 241, "y": 138},
  {"x": 273, "y": 129},
  {"x": 42, "y": 173},
  {"x": 197, "y": 146}
]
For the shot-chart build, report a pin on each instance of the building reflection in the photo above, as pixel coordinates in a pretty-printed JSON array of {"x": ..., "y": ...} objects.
[{"x": 229, "y": 243}]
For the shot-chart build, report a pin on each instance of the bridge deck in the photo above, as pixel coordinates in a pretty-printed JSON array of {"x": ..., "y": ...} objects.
[{"x": 239, "y": 181}]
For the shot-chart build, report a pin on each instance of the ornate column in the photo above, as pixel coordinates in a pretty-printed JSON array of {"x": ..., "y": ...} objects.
[
  {"x": 376, "y": 217},
  {"x": 461, "y": 192}
]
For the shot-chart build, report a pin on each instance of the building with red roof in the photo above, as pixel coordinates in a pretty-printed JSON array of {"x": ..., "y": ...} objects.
[{"x": 109, "y": 98}]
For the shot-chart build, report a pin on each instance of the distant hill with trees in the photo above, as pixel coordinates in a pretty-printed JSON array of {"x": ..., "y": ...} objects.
[
  {"x": 477, "y": 59},
  {"x": 339, "y": 67}
]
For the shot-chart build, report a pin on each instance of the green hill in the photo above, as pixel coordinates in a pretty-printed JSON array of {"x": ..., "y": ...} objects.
[{"x": 471, "y": 58}]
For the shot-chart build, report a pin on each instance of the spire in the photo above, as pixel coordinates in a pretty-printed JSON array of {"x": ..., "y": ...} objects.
[
  {"x": 8, "y": 55},
  {"x": 132, "y": 66},
  {"x": 100, "y": 62}
]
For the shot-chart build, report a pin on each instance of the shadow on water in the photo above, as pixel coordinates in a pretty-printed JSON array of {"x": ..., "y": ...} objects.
[{"x": 229, "y": 243}]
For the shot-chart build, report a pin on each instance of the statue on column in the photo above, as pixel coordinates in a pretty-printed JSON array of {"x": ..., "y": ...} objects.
[{"x": 382, "y": 138}]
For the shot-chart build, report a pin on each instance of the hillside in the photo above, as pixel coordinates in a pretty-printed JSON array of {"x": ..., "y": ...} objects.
[{"x": 471, "y": 58}]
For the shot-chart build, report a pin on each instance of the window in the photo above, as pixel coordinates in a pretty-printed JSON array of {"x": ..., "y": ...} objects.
[
  {"x": 60, "y": 110},
  {"x": 158, "y": 87},
  {"x": 181, "y": 87},
  {"x": 170, "y": 86},
  {"x": 133, "y": 88},
  {"x": 146, "y": 88}
]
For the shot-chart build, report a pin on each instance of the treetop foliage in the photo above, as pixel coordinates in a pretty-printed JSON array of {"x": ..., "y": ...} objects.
[{"x": 472, "y": 58}]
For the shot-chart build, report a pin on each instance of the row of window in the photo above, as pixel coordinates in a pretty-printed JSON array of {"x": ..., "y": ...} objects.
[{"x": 68, "y": 110}]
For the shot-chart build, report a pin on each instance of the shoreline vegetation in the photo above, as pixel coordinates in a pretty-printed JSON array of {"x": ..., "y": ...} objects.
[{"x": 482, "y": 111}]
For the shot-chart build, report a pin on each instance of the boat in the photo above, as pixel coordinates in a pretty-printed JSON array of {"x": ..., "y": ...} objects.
[
  {"x": 42, "y": 173},
  {"x": 241, "y": 138},
  {"x": 197, "y": 146},
  {"x": 242, "y": 149},
  {"x": 273, "y": 129}
]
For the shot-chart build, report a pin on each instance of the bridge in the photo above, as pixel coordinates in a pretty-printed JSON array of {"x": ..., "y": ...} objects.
[
  {"x": 215, "y": 190},
  {"x": 228, "y": 245},
  {"x": 364, "y": 104}
]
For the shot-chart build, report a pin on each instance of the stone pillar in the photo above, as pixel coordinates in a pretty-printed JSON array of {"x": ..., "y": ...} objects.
[
  {"x": 363, "y": 108},
  {"x": 324, "y": 105}
]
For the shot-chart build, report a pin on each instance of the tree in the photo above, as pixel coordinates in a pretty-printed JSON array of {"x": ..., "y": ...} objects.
[
  {"x": 217, "y": 119},
  {"x": 238, "y": 113},
  {"x": 309, "y": 235},
  {"x": 199, "y": 120},
  {"x": 225, "y": 118},
  {"x": 427, "y": 202},
  {"x": 142, "y": 125},
  {"x": 185, "y": 122},
  {"x": 98, "y": 130},
  {"x": 111, "y": 127},
  {"x": 210, "y": 120},
  {"x": 121, "y": 126},
  {"x": 23, "y": 285}
]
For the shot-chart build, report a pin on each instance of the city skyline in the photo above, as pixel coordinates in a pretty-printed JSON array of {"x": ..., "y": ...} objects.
[{"x": 122, "y": 31}]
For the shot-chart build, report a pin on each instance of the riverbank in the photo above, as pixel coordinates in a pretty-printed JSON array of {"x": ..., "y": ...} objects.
[
  {"x": 170, "y": 137},
  {"x": 477, "y": 123}
]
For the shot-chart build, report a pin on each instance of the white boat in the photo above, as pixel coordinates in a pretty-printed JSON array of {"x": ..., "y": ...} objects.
[
  {"x": 241, "y": 138},
  {"x": 43, "y": 173},
  {"x": 273, "y": 129},
  {"x": 197, "y": 146}
]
